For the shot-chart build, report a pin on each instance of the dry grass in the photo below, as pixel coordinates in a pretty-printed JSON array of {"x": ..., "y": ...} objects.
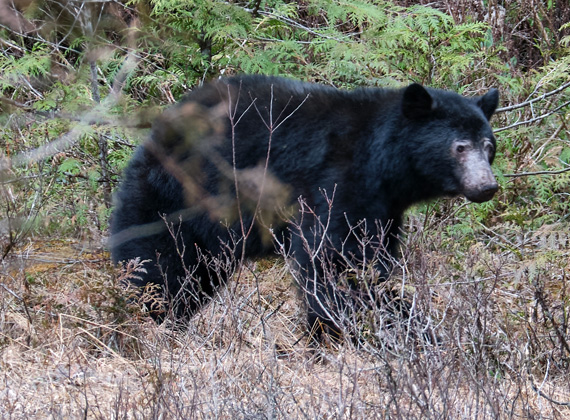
[{"x": 72, "y": 347}]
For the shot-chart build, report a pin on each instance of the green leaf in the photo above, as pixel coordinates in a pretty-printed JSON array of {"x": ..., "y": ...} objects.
[{"x": 70, "y": 166}]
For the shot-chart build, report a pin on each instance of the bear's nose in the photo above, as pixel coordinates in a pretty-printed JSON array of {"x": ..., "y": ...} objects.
[
  {"x": 485, "y": 193},
  {"x": 490, "y": 189}
]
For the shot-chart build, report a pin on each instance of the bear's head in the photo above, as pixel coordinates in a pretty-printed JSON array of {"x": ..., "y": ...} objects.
[{"x": 453, "y": 143}]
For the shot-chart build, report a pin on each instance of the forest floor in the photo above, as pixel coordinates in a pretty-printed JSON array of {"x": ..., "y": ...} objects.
[{"x": 72, "y": 346}]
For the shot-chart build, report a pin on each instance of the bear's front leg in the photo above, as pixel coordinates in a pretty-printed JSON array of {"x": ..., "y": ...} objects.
[
  {"x": 340, "y": 280},
  {"x": 331, "y": 293}
]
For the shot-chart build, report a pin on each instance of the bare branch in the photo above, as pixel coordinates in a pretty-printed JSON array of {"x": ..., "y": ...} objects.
[
  {"x": 561, "y": 171},
  {"x": 546, "y": 397},
  {"x": 297, "y": 25},
  {"x": 69, "y": 138},
  {"x": 531, "y": 101},
  {"x": 533, "y": 120}
]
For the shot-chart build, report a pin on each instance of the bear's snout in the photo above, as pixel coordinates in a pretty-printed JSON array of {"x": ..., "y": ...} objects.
[
  {"x": 482, "y": 194},
  {"x": 478, "y": 181}
]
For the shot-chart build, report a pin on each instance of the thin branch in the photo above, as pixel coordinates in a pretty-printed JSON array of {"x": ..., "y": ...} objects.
[
  {"x": 20, "y": 105},
  {"x": 297, "y": 25},
  {"x": 561, "y": 171},
  {"x": 546, "y": 397},
  {"x": 255, "y": 10},
  {"x": 531, "y": 101},
  {"x": 532, "y": 120},
  {"x": 547, "y": 313},
  {"x": 69, "y": 138},
  {"x": 36, "y": 37}
]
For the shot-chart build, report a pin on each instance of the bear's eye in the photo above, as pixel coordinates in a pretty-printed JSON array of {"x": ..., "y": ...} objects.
[{"x": 460, "y": 148}]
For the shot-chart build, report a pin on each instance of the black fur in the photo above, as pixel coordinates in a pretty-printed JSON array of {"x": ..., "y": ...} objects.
[{"x": 378, "y": 150}]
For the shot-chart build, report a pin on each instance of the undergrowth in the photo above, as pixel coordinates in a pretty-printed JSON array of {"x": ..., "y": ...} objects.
[{"x": 486, "y": 336}]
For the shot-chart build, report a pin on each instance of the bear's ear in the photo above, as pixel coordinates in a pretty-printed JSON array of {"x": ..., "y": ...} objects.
[
  {"x": 489, "y": 102},
  {"x": 417, "y": 102}
]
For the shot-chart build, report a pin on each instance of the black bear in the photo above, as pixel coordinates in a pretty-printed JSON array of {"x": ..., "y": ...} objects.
[{"x": 245, "y": 162}]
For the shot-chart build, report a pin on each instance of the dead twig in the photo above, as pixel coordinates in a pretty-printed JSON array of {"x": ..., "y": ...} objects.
[
  {"x": 517, "y": 175},
  {"x": 531, "y": 101},
  {"x": 533, "y": 120}
]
